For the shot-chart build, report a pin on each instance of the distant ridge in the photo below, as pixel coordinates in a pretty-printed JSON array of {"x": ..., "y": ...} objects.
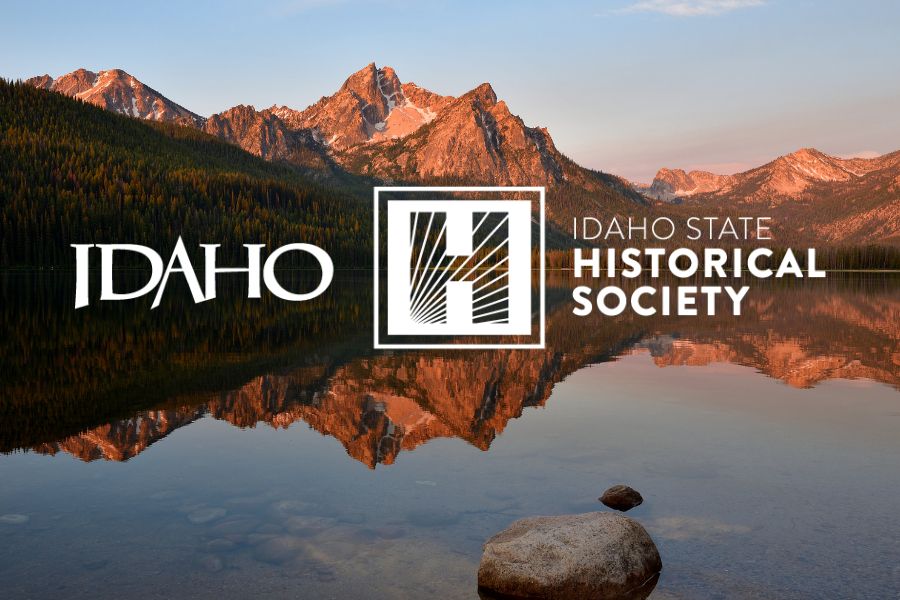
[
  {"x": 785, "y": 177},
  {"x": 810, "y": 194}
]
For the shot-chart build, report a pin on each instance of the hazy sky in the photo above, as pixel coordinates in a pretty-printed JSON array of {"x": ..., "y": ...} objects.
[{"x": 625, "y": 86}]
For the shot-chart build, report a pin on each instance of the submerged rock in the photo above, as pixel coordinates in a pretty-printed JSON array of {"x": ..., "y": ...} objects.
[
  {"x": 236, "y": 525},
  {"x": 591, "y": 556},
  {"x": 308, "y": 526},
  {"x": 14, "y": 519},
  {"x": 205, "y": 515},
  {"x": 212, "y": 564},
  {"x": 279, "y": 550},
  {"x": 621, "y": 497}
]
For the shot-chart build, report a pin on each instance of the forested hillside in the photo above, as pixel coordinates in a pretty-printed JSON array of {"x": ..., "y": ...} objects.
[{"x": 75, "y": 173}]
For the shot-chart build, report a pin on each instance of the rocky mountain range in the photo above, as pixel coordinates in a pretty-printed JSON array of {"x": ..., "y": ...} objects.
[
  {"x": 471, "y": 136},
  {"x": 374, "y": 125},
  {"x": 377, "y": 126},
  {"x": 810, "y": 195},
  {"x": 787, "y": 177}
]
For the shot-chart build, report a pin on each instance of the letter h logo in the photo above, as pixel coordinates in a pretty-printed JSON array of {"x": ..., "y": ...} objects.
[{"x": 458, "y": 268}]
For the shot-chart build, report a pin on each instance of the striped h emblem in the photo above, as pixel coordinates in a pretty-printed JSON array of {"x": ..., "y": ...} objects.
[{"x": 459, "y": 267}]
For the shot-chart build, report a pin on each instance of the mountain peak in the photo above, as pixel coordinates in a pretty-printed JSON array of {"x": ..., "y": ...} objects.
[
  {"x": 243, "y": 108},
  {"x": 120, "y": 92},
  {"x": 484, "y": 93},
  {"x": 75, "y": 83},
  {"x": 807, "y": 155},
  {"x": 808, "y": 151},
  {"x": 369, "y": 81},
  {"x": 361, "y": 78},
  {"x": 670, "y": 184},
  {"x": 43, "y": 82},
  {"x": 371, "y": 105},
  {"x": 791, "y": 174}
]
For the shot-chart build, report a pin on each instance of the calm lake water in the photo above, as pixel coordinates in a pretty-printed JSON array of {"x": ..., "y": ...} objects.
[{"x": 260, "y": 448}]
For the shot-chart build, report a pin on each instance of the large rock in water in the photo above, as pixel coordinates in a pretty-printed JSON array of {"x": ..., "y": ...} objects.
[
  {"x": 621, "y": 497},
  {"x": 591, "y": 556}
]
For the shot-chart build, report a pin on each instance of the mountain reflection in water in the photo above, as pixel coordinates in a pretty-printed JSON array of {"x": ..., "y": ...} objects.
[{"x": 108, "y": 382}]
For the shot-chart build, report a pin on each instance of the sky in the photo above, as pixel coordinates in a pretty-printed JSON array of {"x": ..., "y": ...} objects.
[{"x": 624, "y": 86}]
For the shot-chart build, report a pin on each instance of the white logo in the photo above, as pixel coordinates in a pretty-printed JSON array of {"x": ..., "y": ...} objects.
[{"x": 460, "y": 268}]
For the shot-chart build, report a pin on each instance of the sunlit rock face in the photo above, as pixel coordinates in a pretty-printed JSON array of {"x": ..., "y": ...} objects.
[
  {"x": 264, "y": 134},
  {"x": 376, "y": 125},
  {"x": 117, "y": 91},
  {"x": 371, "y": 105},
  {"x": 125, "y": 439}
]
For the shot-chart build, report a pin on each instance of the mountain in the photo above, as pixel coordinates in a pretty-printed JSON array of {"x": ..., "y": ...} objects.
[
  {"x": 117, "y": 91},
  {"x": 378, "y": 126},
  {"x": 812, "y": 198},
  {"x": 809, "y": 175},
  {"x": 371, "y": 105},
  {"x": 862, "y": 210},
  {"x": 671, "y": 184},
  {"x": 786, "y": 177},
  {"x": 475, "y": 137},
  {"x": 375, "y": 125}
]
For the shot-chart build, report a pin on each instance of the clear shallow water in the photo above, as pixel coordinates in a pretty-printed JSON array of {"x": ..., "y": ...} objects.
[{"x": 766, "y": 470}]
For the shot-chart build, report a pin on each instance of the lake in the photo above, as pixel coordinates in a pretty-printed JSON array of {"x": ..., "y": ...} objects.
[{"x": 258, "y": 447}]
